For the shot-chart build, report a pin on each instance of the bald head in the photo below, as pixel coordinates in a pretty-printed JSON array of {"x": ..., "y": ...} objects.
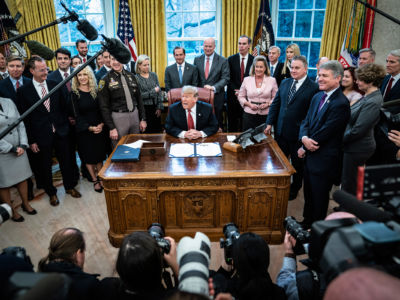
[
  {"x": 209, "y": 46},
  {"x": 321, "y": 61}
]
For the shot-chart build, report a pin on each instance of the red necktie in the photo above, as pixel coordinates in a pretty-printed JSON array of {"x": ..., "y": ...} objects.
[
  {"x": 68, "y": 84},
  {"x": 84, "y": 59},
  {"x": 47, "y": 102},
  {"x": 207, "y": 67},
  {"x": 388, "y": 87},
  {"x": 242, "y": 70},
  {"x": 190, "y": 120},
  {"x": 17, "y": 85}
]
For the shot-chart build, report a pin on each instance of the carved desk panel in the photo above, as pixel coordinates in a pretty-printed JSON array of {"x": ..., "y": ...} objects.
[{"x": 199, "y": 193}]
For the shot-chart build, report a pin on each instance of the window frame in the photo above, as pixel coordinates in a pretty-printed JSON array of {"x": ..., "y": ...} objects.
[
  {"x": 218, "y": 33},
  {"x": 275, "y": 15},
  {"x": 109, "y": 23}
]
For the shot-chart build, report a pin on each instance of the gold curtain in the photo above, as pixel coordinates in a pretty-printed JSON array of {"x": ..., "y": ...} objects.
[
  {"x": 238, "y": 17},
  {"x": 148, "y": 20},
  {"x": 35, "y": 14},
  {"x": 337, "y": 15}
]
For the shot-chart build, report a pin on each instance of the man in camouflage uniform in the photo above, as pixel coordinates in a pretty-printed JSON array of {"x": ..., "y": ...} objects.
[{"x": 120, "y": 102}]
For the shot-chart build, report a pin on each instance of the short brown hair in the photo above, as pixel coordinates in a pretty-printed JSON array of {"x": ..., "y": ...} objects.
[
  {"x": 63, "y": 246},
  {"x": 371, "y": 73},
  {"x": 14, "y": 58}
]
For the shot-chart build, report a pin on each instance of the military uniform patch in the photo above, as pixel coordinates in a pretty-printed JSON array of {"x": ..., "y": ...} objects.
[{"x": 101, "y": 84}]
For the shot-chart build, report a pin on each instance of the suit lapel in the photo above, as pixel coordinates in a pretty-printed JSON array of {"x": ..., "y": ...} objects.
[
  {"x": 201, "y": 64},
  {"x": 213, "y": 65},
  {"x": 11, "y": 87},
  {"x": 248, "y": 66},
  {"x": 182, "y": 116},
  {"x": 300, "y": 90}
]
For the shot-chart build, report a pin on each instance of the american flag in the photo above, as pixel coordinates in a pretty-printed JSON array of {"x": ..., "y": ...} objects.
[
  {"x": 125, "y": 28},
  {"x": 264, "y": 34}
]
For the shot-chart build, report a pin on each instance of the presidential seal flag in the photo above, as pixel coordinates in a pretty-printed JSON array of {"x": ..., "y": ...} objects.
[
  {"x": 264, "y": 34},
  {"x": 125, "y": 28}
]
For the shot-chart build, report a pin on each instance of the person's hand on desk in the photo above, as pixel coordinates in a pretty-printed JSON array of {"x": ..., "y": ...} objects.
[
  {"x": 267, "y": 129},
  {"x": 193, "y": 134}
]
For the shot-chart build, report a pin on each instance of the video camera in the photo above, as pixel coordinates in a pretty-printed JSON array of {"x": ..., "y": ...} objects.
[
  {"x": 231, "y": 233},
  {"x": 335, "y": 246},
  {"x": 156, "y": 230}
]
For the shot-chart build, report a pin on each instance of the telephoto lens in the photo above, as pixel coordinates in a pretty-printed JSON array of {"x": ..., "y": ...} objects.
[{"x": 194, "y": 259}]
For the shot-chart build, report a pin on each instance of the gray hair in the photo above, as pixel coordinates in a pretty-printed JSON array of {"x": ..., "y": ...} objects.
[
  {"x": 189, "y": 89},
  {"x": 334, "y": 66},
  {"x": 395, "y": 53},
  {"x": 139, "y": 61},
  {"x": 301, "y": 58},
  {"x": 368, "y": 50},
  {"x": 275, "y": 47}
]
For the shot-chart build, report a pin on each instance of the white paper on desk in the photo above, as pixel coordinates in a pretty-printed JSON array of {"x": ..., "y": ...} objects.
[
  {"x": 137, "y": 144},
  {"x": 231, "y": 138},
  {"x": 208, "y": 149},
  {"x": 181, "y": 150}
]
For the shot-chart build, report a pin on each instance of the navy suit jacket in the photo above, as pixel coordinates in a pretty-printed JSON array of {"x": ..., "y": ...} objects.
[
  {"x": 234, "y": 68},
  {"x": 287, "y": 117},
  {"x": 190, "y": 76},
  {"x": 7, "y": 89},
  {"x": 39, "y": 122},
  {"x": 394, "y": 91},
  {"x": 101, "y": 73},
  {"x": 278, "y": 73},
  {"x": 326, "y": 128},
  {"x": 176, "y": 121},
  {"x": 56, "y": 76}
]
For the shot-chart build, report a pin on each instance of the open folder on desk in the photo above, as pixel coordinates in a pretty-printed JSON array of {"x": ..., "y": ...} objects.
[
  {"x": 125, "y": 153},
  {"x": 195, "y": 150}
]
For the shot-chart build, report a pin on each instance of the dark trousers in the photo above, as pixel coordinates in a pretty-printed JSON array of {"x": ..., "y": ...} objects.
[
  {"x": 219, "y": 108},
  {"x": 73, "y": 147},
  {"x": 235, "y": 115},
  {"x": 62, "y": 148},
  {"x": 316, "y": 195},
  {"x": 35, "y": 166},
  {"x": 351, "y": 162},
  {"x": 153, "y": 122},
  {"x": 289, "y": 148},
  {"x": 252, "y": 120}
]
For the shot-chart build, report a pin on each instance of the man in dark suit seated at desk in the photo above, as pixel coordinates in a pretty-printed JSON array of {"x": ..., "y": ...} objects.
[{"x": 191, "y": 119}]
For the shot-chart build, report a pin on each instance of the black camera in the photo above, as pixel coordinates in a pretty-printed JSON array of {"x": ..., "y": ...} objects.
[
  {"x": 156, "y": 230},
  {"x": 5, "y": 212},
  {"x": 301, "y": 236},
  {"x": 231, "y": 233}
]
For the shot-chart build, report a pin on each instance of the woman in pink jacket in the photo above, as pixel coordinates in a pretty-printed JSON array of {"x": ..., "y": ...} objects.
[{"x": 257, "y": 93}]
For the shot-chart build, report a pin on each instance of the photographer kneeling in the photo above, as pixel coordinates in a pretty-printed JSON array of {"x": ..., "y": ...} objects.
[
  {"x": 140, "y": 265},
  {"x": 250, "y": 280}
]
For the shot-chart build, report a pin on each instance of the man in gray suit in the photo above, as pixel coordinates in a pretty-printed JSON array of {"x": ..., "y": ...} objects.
[
  {"x": 181, "y": 73},
  {"x": 214, "y": 75}
]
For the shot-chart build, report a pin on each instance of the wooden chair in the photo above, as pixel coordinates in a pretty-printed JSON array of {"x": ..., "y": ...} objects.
[{"x": 205, "y": 95}]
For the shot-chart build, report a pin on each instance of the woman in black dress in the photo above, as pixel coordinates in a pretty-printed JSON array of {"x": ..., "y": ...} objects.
[{"x": 89, "y": 124}]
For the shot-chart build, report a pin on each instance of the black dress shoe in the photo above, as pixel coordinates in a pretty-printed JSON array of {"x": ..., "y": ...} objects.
[
  {"x": 20, "y": 219},
  {"x": 32, "y": 212},
  {"x": 54, "y": 200}
]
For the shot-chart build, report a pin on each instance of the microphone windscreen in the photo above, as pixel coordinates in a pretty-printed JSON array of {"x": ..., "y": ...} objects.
[
  {"x": 42, "y": 50},
  {"x": 118, "y": 50},
  {"x": 364, "y": 211},
  {"x": 87, "y": 30}
]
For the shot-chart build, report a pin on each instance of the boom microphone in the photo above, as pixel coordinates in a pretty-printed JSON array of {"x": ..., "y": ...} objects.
[
  {"x": 362, "y": 210},
  {"x": 87, "y": 30},
  {"x": 42, "y": 50},
  {"x": 84, "y": 26},
  {"x": 117, "y": 49}
]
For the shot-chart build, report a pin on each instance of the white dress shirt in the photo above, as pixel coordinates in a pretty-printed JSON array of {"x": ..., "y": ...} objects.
[{"x": 193, "y": 114}]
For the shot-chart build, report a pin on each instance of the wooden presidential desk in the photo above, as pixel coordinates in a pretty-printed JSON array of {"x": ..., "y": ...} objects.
[{"x": 194, "y": 194}]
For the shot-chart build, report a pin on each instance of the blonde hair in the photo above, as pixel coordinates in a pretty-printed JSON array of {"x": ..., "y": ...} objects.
[
  {"x": 255, "y": 61},
  {"x": 92, "y": 82},
  {"x": 296, "y": 50},
  {"x": 140, "y": 60}
]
